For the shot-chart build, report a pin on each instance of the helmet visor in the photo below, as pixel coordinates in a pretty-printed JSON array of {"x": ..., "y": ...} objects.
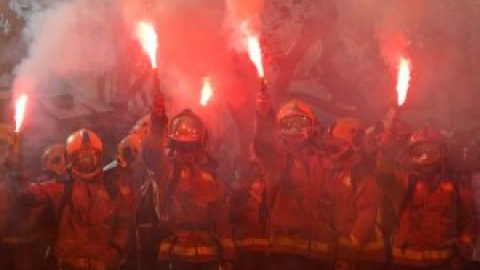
[
  {"x": 186, "y": 129},
  {"x": 426, "y": 154},
  {"x": 296, "y": 128}
]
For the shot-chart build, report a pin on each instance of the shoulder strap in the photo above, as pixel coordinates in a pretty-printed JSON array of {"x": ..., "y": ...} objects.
[{"x": 67, "y": 195}]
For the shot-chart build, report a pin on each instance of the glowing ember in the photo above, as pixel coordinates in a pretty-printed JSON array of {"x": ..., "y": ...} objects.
[
  {"x": 20, "y": 111},
  {"x": 147, "y": 36},
  {"x": 255, "y": 54},
  {"x": 403, "y": 80},
  {"x": 207, "y": 91}
]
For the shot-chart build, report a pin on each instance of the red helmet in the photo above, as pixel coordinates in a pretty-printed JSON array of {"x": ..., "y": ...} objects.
[
  {"x": 53, "y": 158},
  {"x": 129, "y": 150},
  {"x": 427, "y": 149},
  {"x": 84, "y": 154},
  {"x": 186, "y": 128},
  {"x": 296, "y": 122},
  {"x": 348, "y": 130},
  {"x": 347, "y": 136},
  {"x": 426, "y": 135}
]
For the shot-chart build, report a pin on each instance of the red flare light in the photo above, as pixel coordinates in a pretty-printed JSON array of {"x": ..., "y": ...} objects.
[
  {"x": 403, "y": 80},
  {"x": 255, "y": 54},
  {"x": 207, "y": 91},
  {"x": 147, "y": 36},
  {"x": 20, "y": 107}
]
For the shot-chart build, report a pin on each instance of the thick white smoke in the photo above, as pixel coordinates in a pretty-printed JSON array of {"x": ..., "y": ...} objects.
[{"x": 69, "y": 40}]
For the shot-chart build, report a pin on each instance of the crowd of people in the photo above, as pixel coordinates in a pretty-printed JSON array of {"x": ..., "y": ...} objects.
[{"x": 347, "y": 197}]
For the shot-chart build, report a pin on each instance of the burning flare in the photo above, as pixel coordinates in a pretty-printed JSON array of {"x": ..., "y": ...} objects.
[
  {"x": 147, "y": 36},
  {"x": 255, "y": 54},
  {"x": 207, "y": 91},
  {"x": 403, "y": 80},
  {"x": 20, "y": 111}
]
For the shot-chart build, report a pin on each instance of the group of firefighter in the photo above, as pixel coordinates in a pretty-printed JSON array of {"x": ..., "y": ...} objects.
[{"x": 306, "y": 197}]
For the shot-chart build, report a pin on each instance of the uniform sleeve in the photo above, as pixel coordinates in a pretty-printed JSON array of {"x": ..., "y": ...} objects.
[
  {"x": 124, "y": 216},
  {"x": 265, "y": 144},
  {"x": 142, "y": 127},
  {"x": 367, "y": 204},
  {"x": 224, "y": 229},
  {"x": 36, "y": 194}
]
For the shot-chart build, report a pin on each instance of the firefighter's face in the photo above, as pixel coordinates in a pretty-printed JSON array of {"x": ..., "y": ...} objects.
[
  {"x": 86, "y": 161},
  {"x": 426, "y": 157},
  {"x": 57, "y": 164},
  {"x": 296, "y": 129}
]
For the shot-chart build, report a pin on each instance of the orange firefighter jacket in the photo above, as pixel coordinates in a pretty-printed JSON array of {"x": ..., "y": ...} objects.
[
  {"x": 194, "y": 209},
  {"x": 298, "y": 207},
  {"x": 96, "y": 220},
  {"x": 436, "y": 223},
  {"x": 355, "y": 217},
  {"x": 247, "y": 213}
]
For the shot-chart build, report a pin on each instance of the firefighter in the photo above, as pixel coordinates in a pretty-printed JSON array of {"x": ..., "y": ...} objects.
[
  {"x": 356, "y": 200},
  {"x": 129, "y": 161},
  {"x": 21, "y": 235},
  {"x": 437, "y": 220},
  {"x": 151, "y": 130},
  {"x": 129, "y": 158},
  {"x": 94, "y": 208},
  {"x": 191, "y": 202},
  {"x": 54, "y": 169},
  {"x": 297, "y": 208},
  {"x": 18, "y": 237}
]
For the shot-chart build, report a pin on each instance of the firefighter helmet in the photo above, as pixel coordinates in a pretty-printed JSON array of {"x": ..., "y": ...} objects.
[
  {"x": 53, "y": 158},
  {"x": 84, "y": 153},
  {"x": 347, "y": 136},
  {"x": 348, "y": 130},
  {"x": 186, "y": 129},
  {"x": 296, "y": 122},
  {"x": 129, "y": 150},
  {"x": 427, "y": 149}
]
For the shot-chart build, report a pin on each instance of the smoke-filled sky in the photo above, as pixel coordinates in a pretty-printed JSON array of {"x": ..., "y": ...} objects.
[
  {"x": 198, "y": 38},
  {"x": 340, "y": 56}
]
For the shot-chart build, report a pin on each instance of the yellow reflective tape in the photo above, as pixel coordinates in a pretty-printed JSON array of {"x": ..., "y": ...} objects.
[
  {"x": 252, "y": 242},
  {"x": 300, "y": 244},
  {"x": 227, "y": 243},
  {"x": 419, "y": 255},
  {"x": 167, "y": 248}
]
